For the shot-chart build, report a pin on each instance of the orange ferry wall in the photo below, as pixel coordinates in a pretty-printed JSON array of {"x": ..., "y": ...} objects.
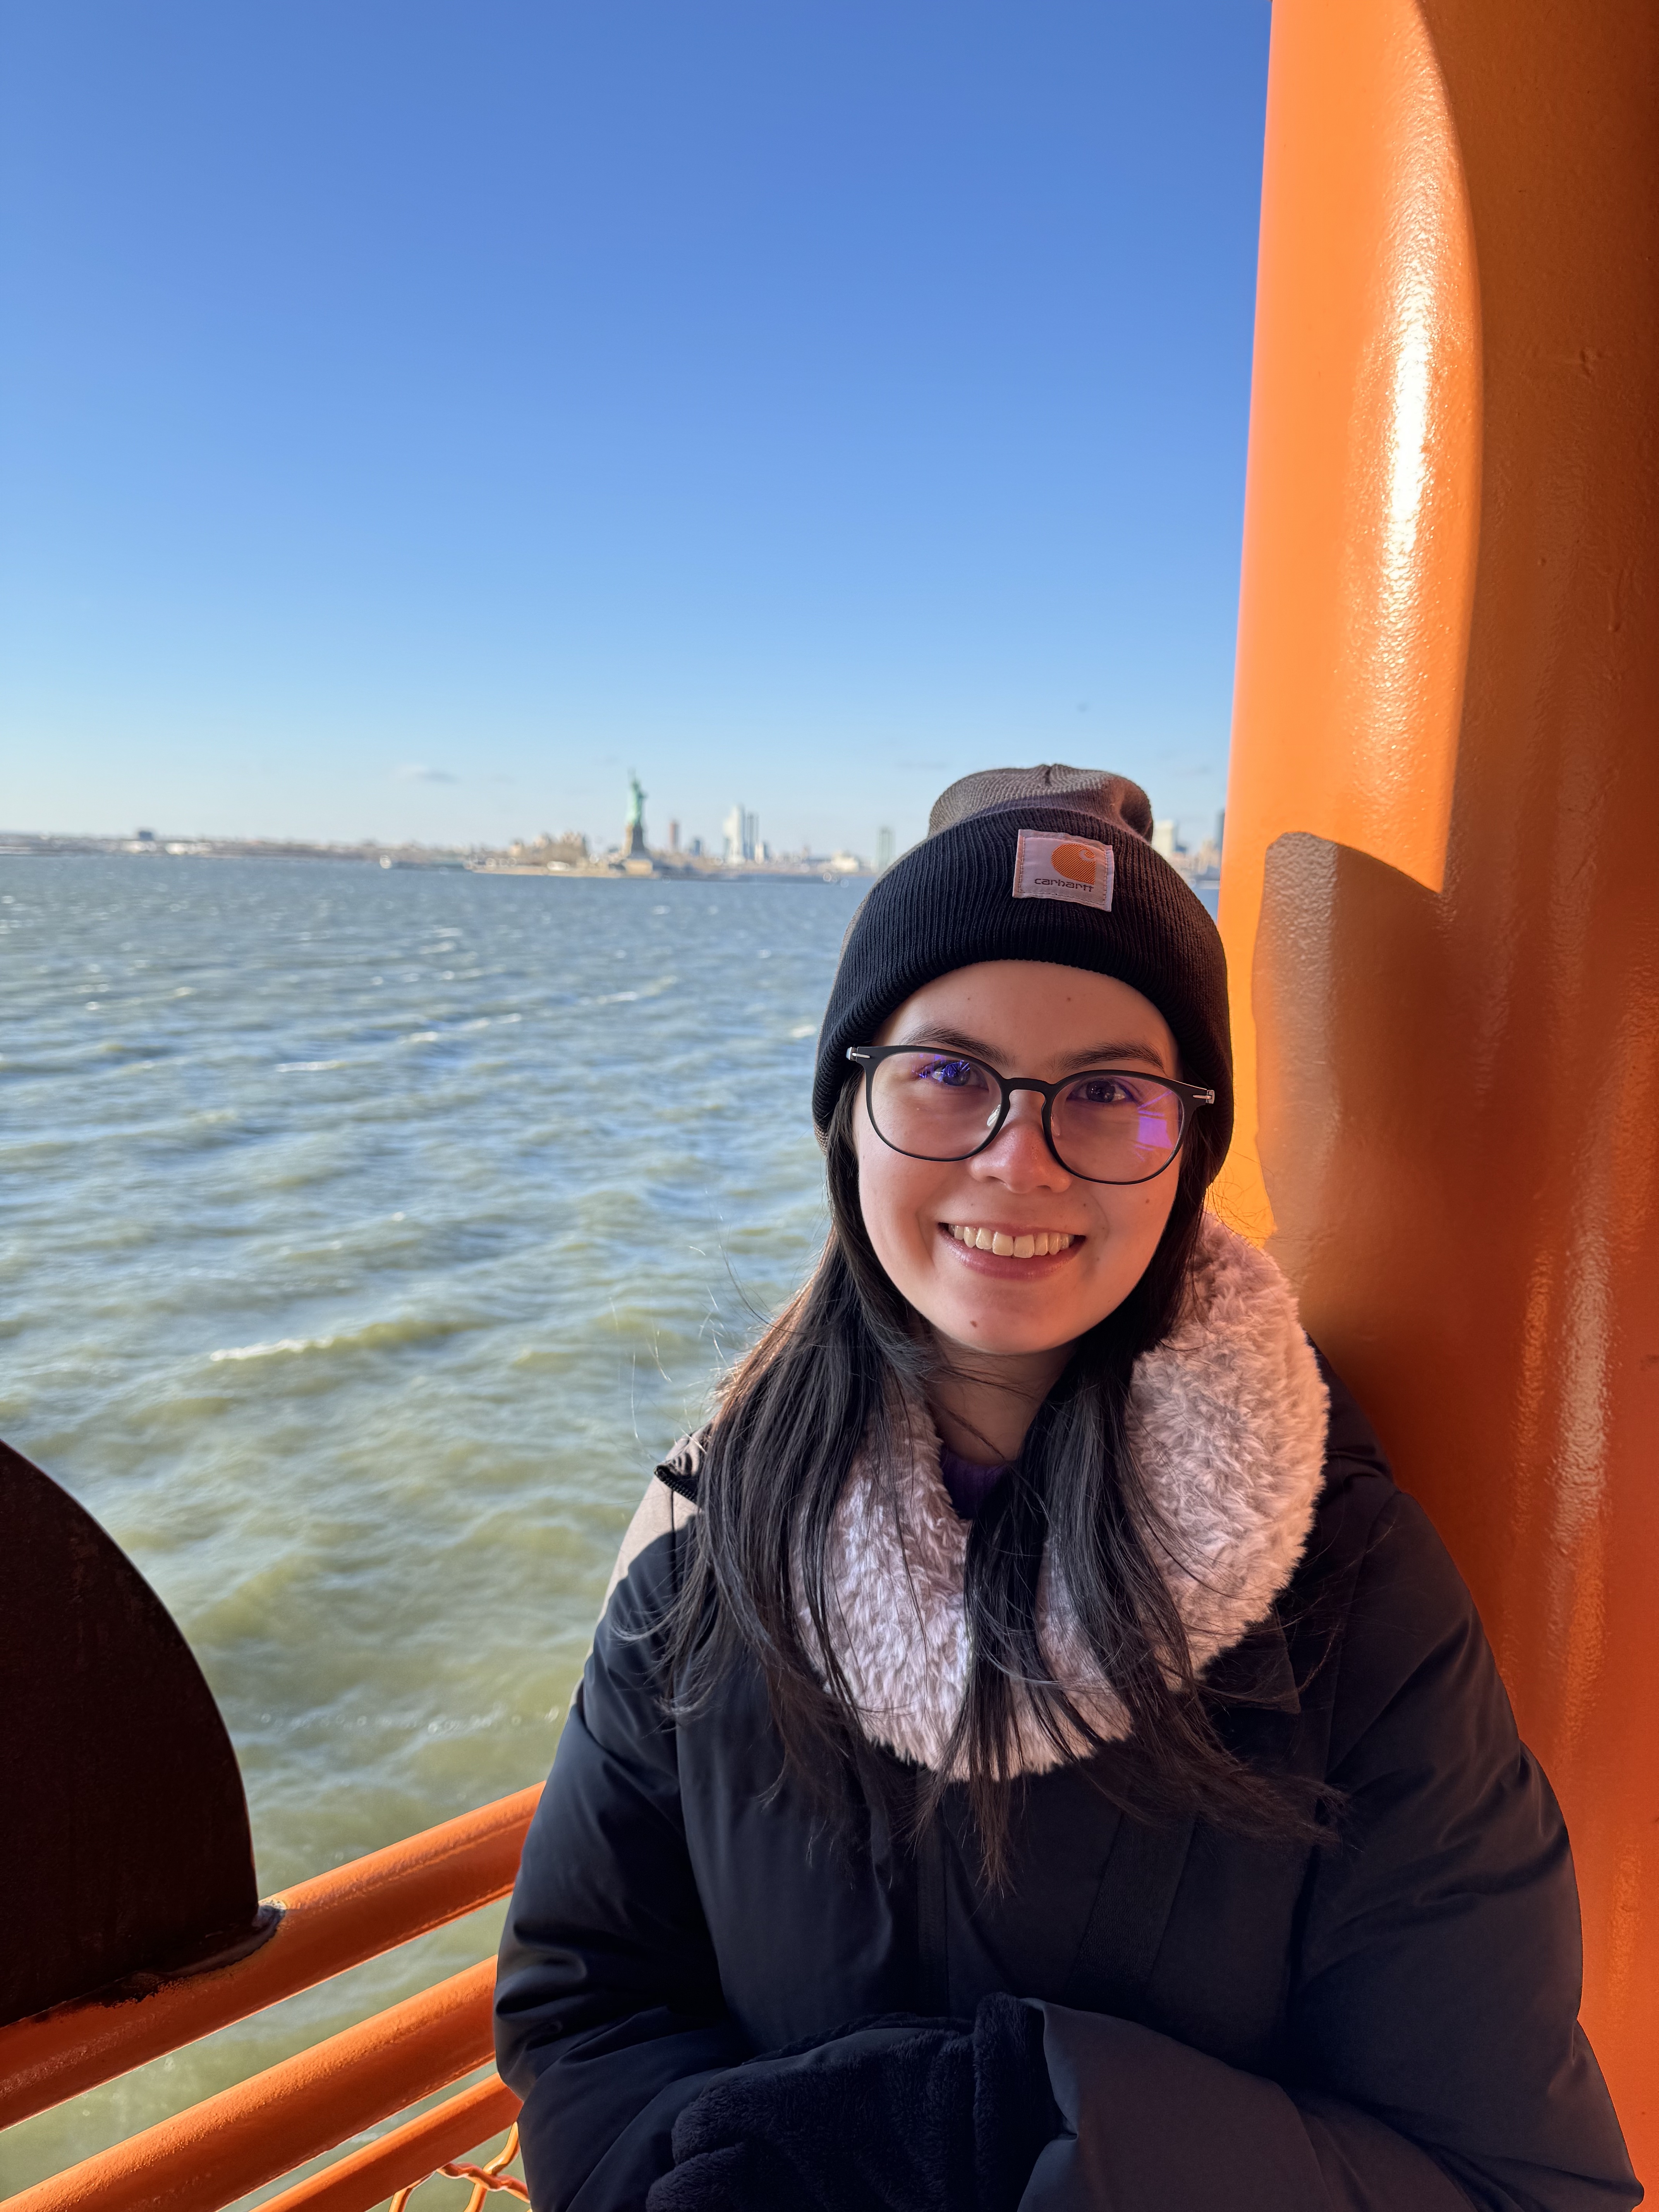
[{"x": 1441, "y": 891}]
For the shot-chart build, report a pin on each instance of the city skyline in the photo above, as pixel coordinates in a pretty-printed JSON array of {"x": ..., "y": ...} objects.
[
  {"x": 740, "y": 845},
  {"x": 680, "y": 834}
]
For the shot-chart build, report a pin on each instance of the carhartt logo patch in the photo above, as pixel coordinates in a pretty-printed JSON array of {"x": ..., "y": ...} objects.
[{"x": 1075, "y": 868}]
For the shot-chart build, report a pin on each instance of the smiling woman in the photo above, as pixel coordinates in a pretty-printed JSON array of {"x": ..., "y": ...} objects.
[{"x": 1037, "y": 1630}]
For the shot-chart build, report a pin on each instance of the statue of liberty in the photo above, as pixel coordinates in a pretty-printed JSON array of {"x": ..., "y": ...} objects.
[{"x": 634, "y": 844}]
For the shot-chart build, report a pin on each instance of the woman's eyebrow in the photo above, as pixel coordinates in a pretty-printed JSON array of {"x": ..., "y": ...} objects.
[
  {"x": 952, "y": 1041},
  {"x": 1112, "y": 1054}
]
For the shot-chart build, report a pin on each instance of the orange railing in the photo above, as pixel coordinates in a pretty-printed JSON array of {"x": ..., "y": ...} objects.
[{"x": 265, "y": 2127}]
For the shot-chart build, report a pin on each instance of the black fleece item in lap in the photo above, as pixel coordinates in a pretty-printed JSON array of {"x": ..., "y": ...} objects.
[
  {"x": 928, "y": 2117},
  {"x": 1014, "y": 2110}
]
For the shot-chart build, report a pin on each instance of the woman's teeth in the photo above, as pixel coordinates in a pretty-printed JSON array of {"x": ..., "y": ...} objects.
[{"x": 1011, "y": 1248}]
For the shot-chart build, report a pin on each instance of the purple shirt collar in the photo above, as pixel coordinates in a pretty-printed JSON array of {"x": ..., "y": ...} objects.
[{"x": 970, "y": 1486}]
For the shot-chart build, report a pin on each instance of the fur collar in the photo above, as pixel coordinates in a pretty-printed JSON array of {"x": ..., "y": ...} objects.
[{"x": 1227, "y": 1420}]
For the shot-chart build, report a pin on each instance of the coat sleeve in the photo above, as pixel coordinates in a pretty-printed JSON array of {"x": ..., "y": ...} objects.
[
  {"x": 609, "y": 2015},
  {"x": 1436, "y": 2061}
]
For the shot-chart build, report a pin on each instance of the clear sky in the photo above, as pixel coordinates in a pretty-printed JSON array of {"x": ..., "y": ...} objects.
[{"x": 414, "y": 414}]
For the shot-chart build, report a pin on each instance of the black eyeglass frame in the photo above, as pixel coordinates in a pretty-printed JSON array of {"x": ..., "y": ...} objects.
[{"x": 1191, "y": 1095}]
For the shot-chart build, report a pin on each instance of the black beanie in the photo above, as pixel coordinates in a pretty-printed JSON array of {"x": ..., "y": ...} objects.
[{"x": 953, "y": 901}]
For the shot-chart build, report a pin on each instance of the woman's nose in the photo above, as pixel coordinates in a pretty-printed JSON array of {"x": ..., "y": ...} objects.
[{"x": 1020, "y": 1157}]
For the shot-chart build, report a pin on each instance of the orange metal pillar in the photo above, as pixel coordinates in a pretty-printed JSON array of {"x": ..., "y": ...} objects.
[{"x": 1441, "y": 895}]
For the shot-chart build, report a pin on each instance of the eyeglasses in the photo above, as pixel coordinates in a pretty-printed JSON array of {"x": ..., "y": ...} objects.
[{"x": 1106, "y": 1124}]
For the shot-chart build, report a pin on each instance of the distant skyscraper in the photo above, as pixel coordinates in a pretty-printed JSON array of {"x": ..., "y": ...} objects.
[
  {"x": 883, "y": 851},
  {"x": 673, "y": 836},
  {"x": 1164, "y": 839},
  {"x": 742, "y": 833},
  {"x": 1220, "y": 828}
]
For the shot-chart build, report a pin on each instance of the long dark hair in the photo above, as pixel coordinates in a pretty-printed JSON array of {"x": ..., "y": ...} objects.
[{"x": 831, "y": 1373}]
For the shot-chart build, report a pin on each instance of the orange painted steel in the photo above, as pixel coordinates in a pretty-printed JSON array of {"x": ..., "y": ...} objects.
[
  {"x": 1363, "y": 506},
  {"x": 492, "y": 2175},
  {"x": 1440, "y": 896},
  {"x": 332, "y": 1922},
  {"x": 266, "y": 2126},
  {"x": 406, "y": 2157}
]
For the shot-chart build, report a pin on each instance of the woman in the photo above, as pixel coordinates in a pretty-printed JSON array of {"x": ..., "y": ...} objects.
[{"x": 1032, "y": 1754}]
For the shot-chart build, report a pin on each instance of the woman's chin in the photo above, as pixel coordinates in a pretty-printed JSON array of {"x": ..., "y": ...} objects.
[{"x": 998, "y": 1336}]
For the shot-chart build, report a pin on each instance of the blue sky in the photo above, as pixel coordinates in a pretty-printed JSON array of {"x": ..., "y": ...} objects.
[{"x": 414, "y": 415}]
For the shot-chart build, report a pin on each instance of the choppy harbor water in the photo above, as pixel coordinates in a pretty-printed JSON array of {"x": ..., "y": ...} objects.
[{"x": 366, "y": 1235}]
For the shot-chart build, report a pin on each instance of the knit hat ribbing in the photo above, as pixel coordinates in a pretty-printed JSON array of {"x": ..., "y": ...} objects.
[{"x": 949, "y": 904}]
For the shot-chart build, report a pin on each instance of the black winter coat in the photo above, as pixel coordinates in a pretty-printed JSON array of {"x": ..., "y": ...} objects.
[{"x": 1386, "y": 2026}]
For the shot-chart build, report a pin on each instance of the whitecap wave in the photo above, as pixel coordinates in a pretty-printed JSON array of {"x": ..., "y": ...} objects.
[{"x": 374, "y": 1336}]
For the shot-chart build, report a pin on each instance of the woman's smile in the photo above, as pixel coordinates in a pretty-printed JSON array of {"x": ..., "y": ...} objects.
[{"x": 1011, "y": 1251}]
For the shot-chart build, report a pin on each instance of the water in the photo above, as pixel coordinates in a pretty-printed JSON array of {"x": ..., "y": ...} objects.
[{"x": 367, "y": 1236}]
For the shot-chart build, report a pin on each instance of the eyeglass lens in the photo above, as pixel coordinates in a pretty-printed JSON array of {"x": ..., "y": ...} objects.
[{"x": 1107, "y": 1128}]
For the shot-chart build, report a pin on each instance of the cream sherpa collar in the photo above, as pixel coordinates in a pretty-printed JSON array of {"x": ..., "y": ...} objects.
[{"x": 1227, "y": 1420}]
